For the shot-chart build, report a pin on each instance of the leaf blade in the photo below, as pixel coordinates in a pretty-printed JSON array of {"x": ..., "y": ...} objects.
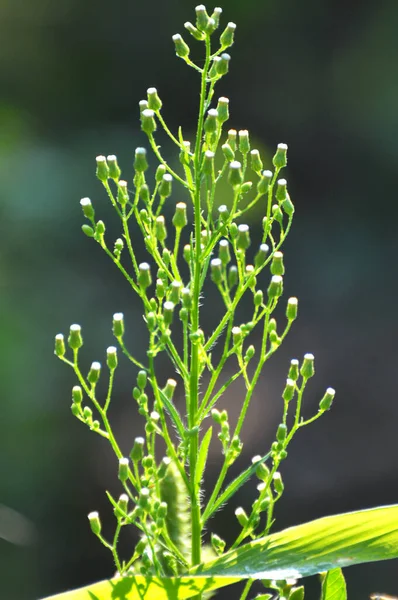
[{"x": 333, "y": 585}]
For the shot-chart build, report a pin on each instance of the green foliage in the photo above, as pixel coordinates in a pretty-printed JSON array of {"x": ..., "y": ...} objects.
[{"x": 204, "y": 240}]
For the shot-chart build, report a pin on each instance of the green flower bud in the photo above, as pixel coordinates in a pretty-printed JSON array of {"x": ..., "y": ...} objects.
[
  {"x": 242, "y": 517},
  {"x": 232, "y": 139},
  {"x": 59, "y": 345},
  {"x": 154, "y": 102},
  {"x": 216, "y": 270},
  {"x": 175, "y": 291},
  {"x": 277, "y": 266},
  {"x": 281, "y": 192},
  {"x": 243, "y": 238},
  {"x": 143, "y": 104},
  {"x": 181, "y": 47},
  {"x": 142, "y": 379},
  {"x": 143, "y": 499},
  {"x": 100, "y": 229},
  {"x": 280, "y": 158},
  {"x": 198, "y": 35},
  {"x": 278, "y": 483},
  {"x": 208, "y": 163},
  {"x": 202, "y": 18},
  {"x": 223, "y": 109},
  {"x": 162, "y": 510},
  {"x": 118, "y": 325},
  {"x": 237, "y": 336},
  {"x": 232, "y": 276},
  {"x": 87, "y": 208},
  {"x": 148, "y": 123},
  {"x": 119, "y": 245},
  {"x": 160, "y": 228},
  {"x": 111, "y": 357},
  {"x": 211, "y": 121},
  {"x": 123, "y": 503},
  {"x": 228, "y": 152},
  {"x": 88, "y": 414},
  {"x": 307, "y": 368},
  {"x": 185, "y": 153},
  {"x": 168, "y": 310},
  {"x": 244, "y": 143},
  {"x": 169, "y": 388},
  {"x": 294, "y": 370},
  {"x": 102, "y": 169},
  {"x": 246, "y": 187},
  {"x": 275, "y": 288},
  {"x": 258, "y": 298},
  {"x": 95, "y": 523},
  {"x": 123, "y": 469},
  {"x": 87, "y": 230},
  {"x": 140, "y": 161},
  {"x": 281, "y": 433},
  {"x": 77, "y": 394},
  {"x": 164, "y": 465},
  {"x": 94, "y": 373},
  {"x": 160, "y": 289},
  {"x": 137, "y": 451},
  {"x": 222, "y": 65},
  {"x": 327, "y": 400},
  {"x": 122, "y": 193},
  {"x": 145, "y": 217},
  {"x": 261, "y": 255},
  {"x": 144, "y": 275},
  {"x": 223, "y": 252},
  {"x": 291, "y": 309},
  {"x": 288, "y": 206},
  {"x": 187, "y": 253},
  {"x": 218, "y": 544},
  {"x": 263, "y": 184},
  {"x": 180, "y": 216},
  {"x": 223, "y": 213},
  {"x": 227, "y": 36},
  {"x": 250, "y": 352},
  {"x": 216, "y": 416},
  {"x": 235, "y": 176},
  {"x": 186, "y": 298},
  {"x": 216, "y": 16},
  {"x": 256, "y": 162},
  {"x": 165, "y": 186},
  {"x": 114, "y": 170},
  {"x": 75, "y": 340}
]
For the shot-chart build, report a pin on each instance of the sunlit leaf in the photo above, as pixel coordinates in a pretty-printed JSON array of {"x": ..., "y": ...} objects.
[{"x": 333, "y": 585}]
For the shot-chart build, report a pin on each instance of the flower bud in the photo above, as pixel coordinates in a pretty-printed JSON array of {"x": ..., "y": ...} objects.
[
  {"x": 186, "y": 298},
  {"x": 327, "y": 400},
  {"x": 154, "y": 102},
  {"x": 217, "y": 543},
  {"x": 87, "y": 208},
  {"x": 140, "y": 162},
  {"x": 187, "y": 253},
  {"x": 118, "y": 325},
  {"x": 232, "y": 276},
  {"x": 281, "y": 192},
  {"x": 198, "y": 35},
  {"x": 275, "y": 288},
  {"x": 87, "y": 230},
  {"x": 123, "y": 469},
  {"x": 294, "y": 370},
  {"x": 223, "y": 109},
  {"x": 143, "y": 499},
  {"x": 75, "y": 340},
  {"x": 144, "y": 275},
  {"x": 250, "y": 352},
  {"x": 123, "y": 503},
  {"x": 258, "y": 298},
  {"x": 165, "y": 186},
  {"x": 114, "y": 169},
  {"x": 246, "y": 187},
  {"x": 236, "y": 335},
  {"x": 223, "y": 213},
  {"x": 211, "y": 122},
  {"x": 160, "y": 228},
  {"x": 261, "y": 255},
  {"x": 243, "y": 238},
  {"x": 99, "y": 229},
  {"x": 222, "y": 65},
  {"x": 216, "y": 270},
  {"x": 244, "y": 143},
  {"x": 175, "y": 291},
  {"x": 122, "y": 193},
  {"x": 77, "y": 394},
  {"x": 169, "y": 388},
  {"x": 278, "y": 483},
  {"x": 291, "y": 309},
  {"x": 59, "y": 345},
  {"x": 263, "y": 184},
  {"x": 143, "y": 104},
  {"x": 208, "y": 163},
  {"x": 164, "y": 465},
  {"x": 202, "y": 18},
  {"x": 94, "y": 373},
  {"x": 111, "y": 358},
  {"x": 280, "y": 158},
  {"x": 235, "y": 176},
  {"x": 277, "y": 266},
  {"x": 227, "y": 36},
  {"x": 168, "y": 310},
  {"x": 102, "y": 169},
  {"x": 137, "y": 451},
  {"x": 281, "y": 433},
  {"x": 228, "y": 152},
  {"x": 119, "y": 245},
  {"x": 288, "y": 206},
  {"x": 307, "y": 368},
  {"x": 223, "y": 252},
  {"x": 256, "y": 162},
  {"x": 95, "y": 523},
  {"x": 181, "y": 47},
  {"x": 148, "y": 123},
  {"x": 180, "y": 216},
  {"x": 232, "y": 138},
  {"x": 242, "y": 517}
]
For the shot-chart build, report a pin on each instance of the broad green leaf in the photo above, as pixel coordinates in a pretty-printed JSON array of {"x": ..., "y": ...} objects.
[
  {"x": 308, "y": 549},
  {"x": 333, "y": 585},
  {"x": 202, "y": 457}
]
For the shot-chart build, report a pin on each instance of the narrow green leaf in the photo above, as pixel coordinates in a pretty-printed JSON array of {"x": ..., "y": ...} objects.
[
  {"x": 202, "y": 456},
  {"x": 333, "y": 585},
  {"x": 173, "y": 412}
]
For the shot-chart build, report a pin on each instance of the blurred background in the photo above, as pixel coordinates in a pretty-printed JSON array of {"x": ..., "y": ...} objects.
[{"x": 320, "y": 75}]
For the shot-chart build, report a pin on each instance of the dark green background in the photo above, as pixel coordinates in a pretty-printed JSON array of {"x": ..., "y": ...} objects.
[{"x": 320, "y": 75}]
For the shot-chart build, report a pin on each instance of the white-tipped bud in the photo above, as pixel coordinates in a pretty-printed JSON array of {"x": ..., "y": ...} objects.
[{"x": 118, "y": 325}]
